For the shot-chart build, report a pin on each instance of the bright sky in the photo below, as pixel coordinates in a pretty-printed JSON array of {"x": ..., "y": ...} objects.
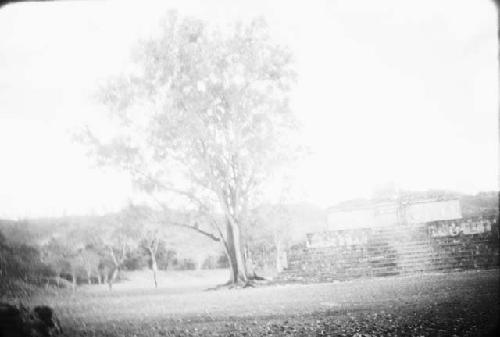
[{"x": 389, "y": 91}]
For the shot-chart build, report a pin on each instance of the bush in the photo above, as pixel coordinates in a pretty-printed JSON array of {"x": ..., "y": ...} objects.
[{"x": 21, "y": 262}]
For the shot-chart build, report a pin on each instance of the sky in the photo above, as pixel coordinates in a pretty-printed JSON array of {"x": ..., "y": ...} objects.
[{"x": 393, "y": 91}]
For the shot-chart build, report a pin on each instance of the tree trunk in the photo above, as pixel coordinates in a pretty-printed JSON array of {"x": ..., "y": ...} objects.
[
  {"x": 89, "y": 276},
  {"x": 279, "y": 266},
  {"x": 113, "y": 278},
  {"x": 117, "y": 265},
  {"x": 198, "y": 263},
  {"x": 99, "y": 278},
  {"x": 236, "y": 258},
  {"x": 154, "y": 267},
  {"x": 73, "y": 276},
  {"x": 284, "y": 263},
  {"x": 58, "y": 280},
  {"x": 229, "y": 259},
  {"x": 249, "y": 263}
]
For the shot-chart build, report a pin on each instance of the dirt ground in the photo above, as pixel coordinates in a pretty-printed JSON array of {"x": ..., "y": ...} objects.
[{"x": 451, "y": 304}]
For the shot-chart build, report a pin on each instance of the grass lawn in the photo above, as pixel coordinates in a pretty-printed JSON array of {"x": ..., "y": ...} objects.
[{"x": 460, "y": 304}]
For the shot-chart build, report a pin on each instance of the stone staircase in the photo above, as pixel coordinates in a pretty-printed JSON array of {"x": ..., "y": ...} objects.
[{"x": 399, "y": 250}]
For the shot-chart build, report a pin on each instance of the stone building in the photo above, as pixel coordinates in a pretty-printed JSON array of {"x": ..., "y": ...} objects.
[
  {"x": 390, "y": 237},
  {"x": 368, "y": 214}
]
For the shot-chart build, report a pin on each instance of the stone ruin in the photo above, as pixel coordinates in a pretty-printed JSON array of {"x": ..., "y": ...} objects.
[{"x": 448, "y": 245}]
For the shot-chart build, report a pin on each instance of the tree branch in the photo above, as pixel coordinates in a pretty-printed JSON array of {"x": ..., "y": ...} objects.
[
  {"x": 196, "y": 229},
  {"x": 179, "y": 224}
]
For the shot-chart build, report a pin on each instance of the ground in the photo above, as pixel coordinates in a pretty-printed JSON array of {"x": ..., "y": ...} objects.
[{"x": 450, "y": 304}]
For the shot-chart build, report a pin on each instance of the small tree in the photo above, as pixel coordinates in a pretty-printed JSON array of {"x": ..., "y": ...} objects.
[
  {"x": 55, "y": 255},
  {"x": 91, "y": 260},
  {"x": 270, "y": 230},
  {"x": 152, "y": 238},
  {"x": 76, "y": 267},
  {"x": 149, "y": 232},
  {"x": 203, "y": 116},
  {"x": 66, "y": 252},
  {"x": 119, "y": 238},
  {"x": 151, "y": 242}
]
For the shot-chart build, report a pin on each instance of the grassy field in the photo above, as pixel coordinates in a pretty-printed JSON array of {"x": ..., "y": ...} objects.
[{"x": 454, "y": 304}]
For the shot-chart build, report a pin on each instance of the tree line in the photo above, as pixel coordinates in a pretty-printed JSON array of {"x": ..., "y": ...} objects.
[{"x": 95, "y": 249}]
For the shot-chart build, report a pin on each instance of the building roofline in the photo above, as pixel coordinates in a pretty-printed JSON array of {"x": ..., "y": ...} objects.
[{"x": 352, "y": 205}]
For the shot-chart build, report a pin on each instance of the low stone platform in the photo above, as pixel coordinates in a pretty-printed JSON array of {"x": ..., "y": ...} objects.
[{"x": 450, "y": 245}]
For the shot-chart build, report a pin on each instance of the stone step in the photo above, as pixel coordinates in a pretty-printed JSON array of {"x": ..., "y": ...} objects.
[{"x": 404, "y": 250}]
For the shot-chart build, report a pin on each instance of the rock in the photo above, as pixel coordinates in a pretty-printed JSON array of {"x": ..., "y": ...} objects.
[{"x": 22, "y": 322}]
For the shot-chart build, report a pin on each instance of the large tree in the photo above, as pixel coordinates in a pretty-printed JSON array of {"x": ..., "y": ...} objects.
[{"x": 203, "y": 115}]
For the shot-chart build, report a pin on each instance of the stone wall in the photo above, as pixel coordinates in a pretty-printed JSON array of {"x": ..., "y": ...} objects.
[{"x": 403, "y": 249}]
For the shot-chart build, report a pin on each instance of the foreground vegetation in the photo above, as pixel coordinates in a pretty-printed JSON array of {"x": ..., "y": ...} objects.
[{"x": 461, "y": 304}]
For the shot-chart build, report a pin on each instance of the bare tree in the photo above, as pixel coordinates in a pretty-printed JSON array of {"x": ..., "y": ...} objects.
[
  {"x": 151, "y": 234},
  {"x": 119, "y": 238},
  {"x": 90, "y": 259},
  {"x": 152, "y": 243}
]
